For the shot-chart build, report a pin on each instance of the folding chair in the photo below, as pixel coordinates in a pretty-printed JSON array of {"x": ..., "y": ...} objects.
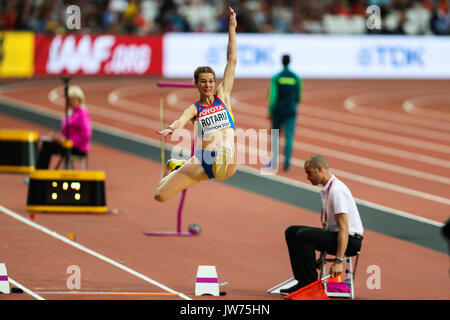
[
  {"x": 348, "y": 269},
  {"x": 73, "y": 158}
]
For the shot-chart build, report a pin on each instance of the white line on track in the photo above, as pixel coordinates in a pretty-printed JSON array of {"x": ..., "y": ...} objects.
[
  {"x": 373, "y": 147},
  {"x": 116, "y": 98},
  {"x": 172, "y": 100},
  {"x": 354, "y": 105},
  {"x": 343, "y": 174},
  {"x": 412, "y": 106},
  {"x": 393, "y": 187},
  {"x": 302, "y": 185},
  {"x": 331, "y": 123},
  {"x": 384, "y": 124},
  {"x": 373, "y": 163},
  {"x": 107, "y": 293},
  {"x": 313, "y": 121},
  {"x": 80, "y": 247},
  {"x": 295, "y": 162},
  {"x": 357, "y": 159},
  {"x": 320, "y": 135},
  {"x": 379, "y": 184},
  {"x": 108, "y": 113},
  {"x": 374, "y": 134},
  {"x": 25, "y": 289},
  {"x": 298, "y": 162}
]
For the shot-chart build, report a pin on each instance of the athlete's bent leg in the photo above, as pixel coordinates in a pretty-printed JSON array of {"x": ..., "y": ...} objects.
[
  {"x": 225, "y": 165},
  {"x": 189, "y": 174}
]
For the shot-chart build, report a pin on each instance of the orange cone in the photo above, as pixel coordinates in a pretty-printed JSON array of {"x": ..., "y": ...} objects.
[
  {"x": 71, "y": 236},
  {"x": 339, "y": 278},
  {"x": 313, "y": 291}
]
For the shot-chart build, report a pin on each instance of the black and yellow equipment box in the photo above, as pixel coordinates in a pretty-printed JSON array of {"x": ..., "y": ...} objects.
[
  {"x": 67, "y": 191},
  {"x": 18, "y": 150}
]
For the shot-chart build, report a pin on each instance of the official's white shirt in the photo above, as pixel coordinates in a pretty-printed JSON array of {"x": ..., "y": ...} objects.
[{"x": 338, "y": 200}]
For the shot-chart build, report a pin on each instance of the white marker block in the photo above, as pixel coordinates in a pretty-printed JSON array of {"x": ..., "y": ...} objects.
[
  {"x": 207, "y": 281},
  {"x": 4, "y": 283}
]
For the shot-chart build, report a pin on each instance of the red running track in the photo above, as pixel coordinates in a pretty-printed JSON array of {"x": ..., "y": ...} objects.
[{"x": 388, "y": 140}]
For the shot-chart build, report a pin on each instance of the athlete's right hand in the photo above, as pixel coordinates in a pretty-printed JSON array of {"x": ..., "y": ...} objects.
[
  {"x": 165, "y": 132},
  {"x": 233, "y": 21}
]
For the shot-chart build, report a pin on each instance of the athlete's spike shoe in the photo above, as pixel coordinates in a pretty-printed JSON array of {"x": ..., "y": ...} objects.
[
  {"x": 224, "y": 156},
  {"x": 174, "y": 164}
]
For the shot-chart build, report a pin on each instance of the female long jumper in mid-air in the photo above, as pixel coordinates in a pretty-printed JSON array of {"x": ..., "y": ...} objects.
[{"x": 215, "y": 155}]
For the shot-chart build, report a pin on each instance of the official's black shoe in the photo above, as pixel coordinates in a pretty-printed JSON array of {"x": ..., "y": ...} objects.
[{"x": 289, "y": 290}]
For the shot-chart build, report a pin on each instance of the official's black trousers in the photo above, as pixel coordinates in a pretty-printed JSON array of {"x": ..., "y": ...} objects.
[
  {"x": 302, "y": 243},
  {"x": 50, "y": 148}
]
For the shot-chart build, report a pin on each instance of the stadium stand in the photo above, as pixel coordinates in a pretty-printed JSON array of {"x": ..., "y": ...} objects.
[{"x": 409, "y": 17}]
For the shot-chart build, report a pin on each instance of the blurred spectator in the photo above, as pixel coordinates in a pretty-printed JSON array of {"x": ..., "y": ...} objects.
[
  {"x": 282, "y": 16},
  {"x": 257, "y": 16},
  {"x": 112, "y": 16},
  {"x": 222, "y": 20},
  {"x": 440, "y": 18},
  {"x": 91, "y": 20},
  {"x": 311, "y": 14},
  {"x": 358, "y": 7},
  {"x": 9, "y": 15},
  {"x": 201, "y": 15},
  {"x": 150, "y": 10},
  {"x": 246, "y": 11},
  {"x": 130, "y": 17},
  {"x": 417, "y": 19},
  {"x": 339, "y": 8},
  {"x": 262, "y": 15},
  {"x": 170, "y": 20},
  {"x": 394, "y": 17}
]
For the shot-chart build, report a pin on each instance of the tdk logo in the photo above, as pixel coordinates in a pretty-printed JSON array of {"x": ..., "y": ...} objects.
[
  {"x": 254, "y": 55},
  {"x": 391, "y": 56},
  {"x": 248, "y": 55}
]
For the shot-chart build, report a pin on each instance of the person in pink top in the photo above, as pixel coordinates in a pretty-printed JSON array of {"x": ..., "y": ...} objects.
[{"x": 79, "y": 133}]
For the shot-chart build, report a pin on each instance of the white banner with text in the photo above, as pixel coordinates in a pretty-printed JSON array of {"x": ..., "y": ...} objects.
[{"x": 312, "y": 56}]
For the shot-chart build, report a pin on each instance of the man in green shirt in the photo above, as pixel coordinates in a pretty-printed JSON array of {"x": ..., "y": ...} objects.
[{"x": 284, "y": 96}]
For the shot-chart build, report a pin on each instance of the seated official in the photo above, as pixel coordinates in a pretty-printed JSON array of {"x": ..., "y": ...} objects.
[
  {"x": 79, "y": 133},
  {"x": 341, "y": 233}
]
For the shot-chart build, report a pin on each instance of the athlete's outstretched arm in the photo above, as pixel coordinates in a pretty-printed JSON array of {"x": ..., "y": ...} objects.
[
  {"x": 225, "y": 87},
  {"x": 187, "y": 116}
]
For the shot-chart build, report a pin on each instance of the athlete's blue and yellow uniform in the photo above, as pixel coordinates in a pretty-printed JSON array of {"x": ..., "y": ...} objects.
[{"x": 209, "y": 119}]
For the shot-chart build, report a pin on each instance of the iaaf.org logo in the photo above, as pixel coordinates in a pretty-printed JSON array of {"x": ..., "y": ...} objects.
[
  {"x": 208, "y": 111},
  {"x": 88, "y": 54},
  {"x": 253, "y": 147}
]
